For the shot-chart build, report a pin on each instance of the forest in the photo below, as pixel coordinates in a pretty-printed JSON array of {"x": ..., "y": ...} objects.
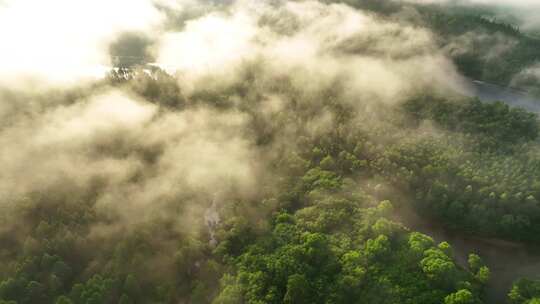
[
  {"x": 484, "y": 45},
  {"x": 275, "y": 164}
]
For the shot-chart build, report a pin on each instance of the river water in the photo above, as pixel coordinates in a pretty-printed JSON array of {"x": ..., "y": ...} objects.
[
  {"x": 507, "y": 261},
  {"x": 490, "y": 92}
]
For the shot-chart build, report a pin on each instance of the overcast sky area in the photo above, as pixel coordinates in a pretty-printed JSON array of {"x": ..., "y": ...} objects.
[{"x": 66, "y": 40}]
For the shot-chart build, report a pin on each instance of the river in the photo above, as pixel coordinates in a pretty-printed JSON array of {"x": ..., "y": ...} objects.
[
  {"x": 490, "y": 92},
  {"x": 507, "y": 261}
]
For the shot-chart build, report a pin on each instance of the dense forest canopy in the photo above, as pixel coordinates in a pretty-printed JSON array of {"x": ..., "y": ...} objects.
[{"x": 262, "y": 152}]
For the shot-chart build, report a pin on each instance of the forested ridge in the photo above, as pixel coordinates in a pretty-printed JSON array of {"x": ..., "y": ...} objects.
[
  {"x": 277, "y": 180},
  {"x": 325, "y": 237},
  {"x": 483, "y": 46}
]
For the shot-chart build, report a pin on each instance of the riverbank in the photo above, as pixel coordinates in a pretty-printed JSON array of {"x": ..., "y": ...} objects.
[{"x": 507, "y": 261}]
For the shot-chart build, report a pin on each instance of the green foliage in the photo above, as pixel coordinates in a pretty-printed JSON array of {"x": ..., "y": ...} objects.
[
  {"x": 462, "y": 296},
  {"x": 524, "y": 291},
  {"x": 298, "y": 290},
  {"x": 314, "y": 229},
  {"x": 483, "y": 275},
  {"x": 338, "y": 251},
  {"x": 494, "y": 125},
  {"x": 63, "y": 300},
  {"x": 438, "y": 266},
  {"x": 318, "y": 178},
  {"x": 419, "y": 242},
  {"x": 486, "y": 184},
  {"x": 96, "y": 290},
  {"x": 475, "y": 262}
]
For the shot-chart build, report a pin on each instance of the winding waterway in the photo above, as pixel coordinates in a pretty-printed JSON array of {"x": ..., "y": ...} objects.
[
  {"x": 507, "y": 261},
  {"x": 489, "y": 92}
]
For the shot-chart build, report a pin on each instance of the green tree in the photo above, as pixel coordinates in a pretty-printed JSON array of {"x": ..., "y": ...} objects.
[
  {"x": 63, "y": 300},
  {"x": 298, "y": 290},
  {"x": 462, "y": 296},
  {"x": 475, "y": 262}
]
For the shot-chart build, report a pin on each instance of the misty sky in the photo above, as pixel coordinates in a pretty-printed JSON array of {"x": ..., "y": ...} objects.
[
  {"x": 63, "y": 39},
  {"x": 66, "y": 40}
]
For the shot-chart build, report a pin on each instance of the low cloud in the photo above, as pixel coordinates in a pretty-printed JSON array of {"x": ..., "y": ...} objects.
[
  {"x": 135, "y": 160},
  {"x": 314, "y": 44},
  {"x": 496, "y": 45},
  {"x": 255, "y": 77}
]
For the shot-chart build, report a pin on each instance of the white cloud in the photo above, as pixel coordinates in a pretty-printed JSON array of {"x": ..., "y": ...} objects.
[
  {"x": 312, "y": 43},
  {"x": 65, "y": 40}
]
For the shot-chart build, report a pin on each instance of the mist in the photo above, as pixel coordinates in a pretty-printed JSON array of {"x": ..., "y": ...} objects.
[
  {"x": 521, "y": 13},
  {"x": 158, "y": 143},
  {"x": 145, "y": 154}
]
